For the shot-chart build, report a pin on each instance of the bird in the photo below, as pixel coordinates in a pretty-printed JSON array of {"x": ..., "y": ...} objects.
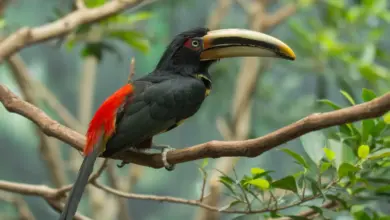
[{"x": 164, "y": 98}]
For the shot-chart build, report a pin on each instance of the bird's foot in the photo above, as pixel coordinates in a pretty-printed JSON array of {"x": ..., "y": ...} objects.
[
  {"x": 122, "y": 164},
  {"x": 164, "y": 151}
]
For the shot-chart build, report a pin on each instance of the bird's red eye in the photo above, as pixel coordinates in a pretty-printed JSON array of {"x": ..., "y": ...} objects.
[{"x": 192, "y": 44}]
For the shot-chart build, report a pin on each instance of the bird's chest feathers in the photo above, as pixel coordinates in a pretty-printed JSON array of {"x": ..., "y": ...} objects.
[{"x": 206, "y": 81}]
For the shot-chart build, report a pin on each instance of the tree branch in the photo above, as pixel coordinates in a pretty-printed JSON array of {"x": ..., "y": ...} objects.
[
  {"x": 80, "y": 4},
  {"x": 20, "y": 205},
  {"x": 27, "y": 36},
  {"x": 47, "y": 147},
  {"x": 272, "y": 20},
  {"x": 212, "y": 149},
  {"x": 200, "y": 204},
  {"x": 51, "y": 195}
]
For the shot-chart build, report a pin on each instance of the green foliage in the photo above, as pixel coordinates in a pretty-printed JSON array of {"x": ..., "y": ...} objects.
[
  {"x": 287, "y": 183},
  {"x": 298, "y": 158},
  {"x": 348, "y": 165},
  {"x": 344, "y": 40},
  {"x": 96, "y": 37},
  {"x": 313, "y": 143}
]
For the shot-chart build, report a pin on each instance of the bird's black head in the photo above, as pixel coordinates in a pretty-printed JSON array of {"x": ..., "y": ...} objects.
[
  {"x": 193, "y": 51},
  {"x": 184, "y": 52}
]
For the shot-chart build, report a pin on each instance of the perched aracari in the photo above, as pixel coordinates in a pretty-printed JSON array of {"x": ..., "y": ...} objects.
[{"x": 164, "y": 98}]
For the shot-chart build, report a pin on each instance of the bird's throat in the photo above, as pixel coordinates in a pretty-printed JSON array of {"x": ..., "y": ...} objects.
[{"x": 206, "y": 81}]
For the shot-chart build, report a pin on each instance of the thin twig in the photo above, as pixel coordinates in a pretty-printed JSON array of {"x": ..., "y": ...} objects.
[
  {"x": 115, "y": 182},
  {"x": 20, "y": 205},
  {"x": 57, "y": 206},
  {"x": 194, "y": 202},
  {"x": 50, "y": 99},
  {"x": 246, "y": 6},
  {"x": 132, "y": 70},
  {"x": 203, "y": 188}
]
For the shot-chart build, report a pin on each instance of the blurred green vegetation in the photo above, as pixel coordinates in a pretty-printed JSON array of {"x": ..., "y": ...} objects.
[{"x": 340, "y": 46}]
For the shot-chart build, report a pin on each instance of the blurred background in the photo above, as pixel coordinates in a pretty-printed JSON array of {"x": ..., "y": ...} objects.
[{"x": 340, "y": 45}]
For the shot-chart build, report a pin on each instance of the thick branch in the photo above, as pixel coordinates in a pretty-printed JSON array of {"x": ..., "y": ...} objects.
[
  {"x": 27, "y": 36},
  {"x": 212, "y": 149}
]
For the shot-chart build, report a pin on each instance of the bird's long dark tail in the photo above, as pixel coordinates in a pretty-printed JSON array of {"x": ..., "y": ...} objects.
[{"x": 81, "y": 182}]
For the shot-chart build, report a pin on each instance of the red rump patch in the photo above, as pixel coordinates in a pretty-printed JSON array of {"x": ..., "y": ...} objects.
[{"x": 104, "y": 119}]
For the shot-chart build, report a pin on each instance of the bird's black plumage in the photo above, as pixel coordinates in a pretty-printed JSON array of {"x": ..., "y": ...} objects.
[
  {"x": 171, "y": 93},
  {"x": 161, "y": 100}
]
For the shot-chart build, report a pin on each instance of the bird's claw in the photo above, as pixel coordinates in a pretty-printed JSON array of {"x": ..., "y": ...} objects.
[
  {"x": 122, "y": 164},
  {"x": 164, "y": 151}
]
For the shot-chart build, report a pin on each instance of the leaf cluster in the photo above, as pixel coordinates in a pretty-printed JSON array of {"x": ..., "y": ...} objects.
[
  {"x": 98, "y": 37},
  {"x": 349, "y": 165}
]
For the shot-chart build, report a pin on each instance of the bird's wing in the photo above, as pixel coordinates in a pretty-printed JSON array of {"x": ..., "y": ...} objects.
[{"x": 154, "y": 108}]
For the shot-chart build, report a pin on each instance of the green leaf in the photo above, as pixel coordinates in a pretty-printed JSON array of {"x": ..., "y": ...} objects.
[
  {"x": 363, "y": 151},
  {"x": 348, "y": 97},
  {"x": 2, "y": 23},
  {"x": 330, "y": 155},
  {"x": 343, "y": 153},
  {"x": 140, "y": 16},
  {"x": 230, "y": 205},
  {"x": 330, "y": 103},
  {"x": 361, "y": 215},
  {"x": 97, "y": 49},
  {"x": 373, "y": 72},
  {"x": 260, "y": 183},
  {"x": 256, "y": 171},
  {"x": 386, "y": 118},
  {"x": 205, "y": 162},
  {"x": 325, "y": 166},
  {"x": 132, "y": 38},
  {"x": 368, "y": 125},
  {"x": 258, "y": 175},
  {"x": 94, "y": 3},
  {"x": 385, "y": 16},
  {"x": 380, "y": 154},
  {"x": 227, "y": 182},
  {"x": 70, "y": 44},
  {"x": 317, "y": 209},
  {"x": 313, "y": 143},
  {"x": 275, "y": 214},
  {"x": 368, "y": 53},
  {"x": 353, "y": 13},
  {"x": 343, "y": 203},
  {"x": 368, "y": 95},
  {"x": 315, "y": 188},
  {"x": 297, "y": 157},
  {"x": 385, "y": 188},
  {"x": 345, "y": 169},
  {"x": 93, "y": 49},
  {"x": 304, "y": 4},
  {"x": 378, "y": 129},
  {"x": 287, "y": 183},
  {"x": 227, "y": 179}
]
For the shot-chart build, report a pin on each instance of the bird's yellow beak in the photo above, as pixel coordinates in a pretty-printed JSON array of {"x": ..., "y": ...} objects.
[{"x": 243, "y": 43}]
